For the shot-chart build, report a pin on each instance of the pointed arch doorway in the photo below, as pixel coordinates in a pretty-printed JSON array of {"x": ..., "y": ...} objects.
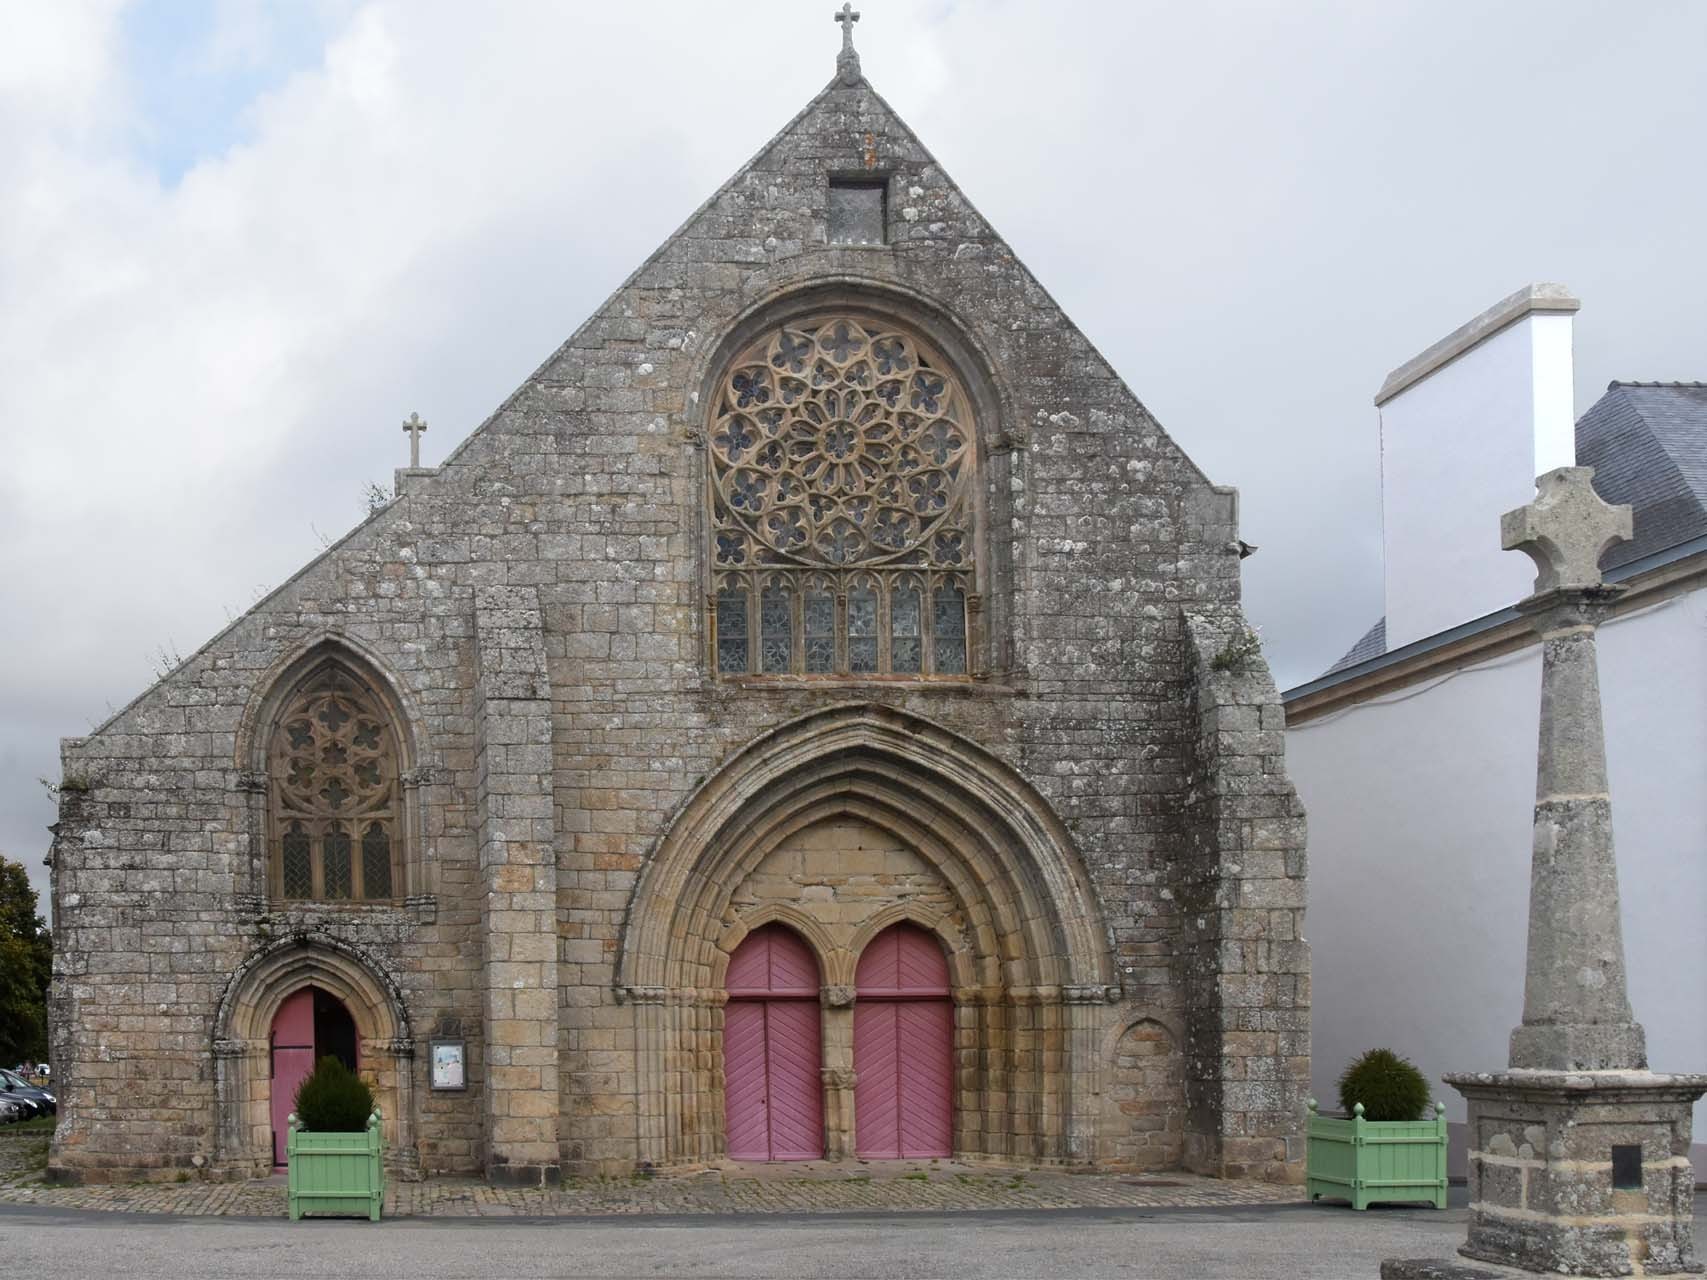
[
  {"x": 903, "y": 1048},
  {"x": 773, "y": 1099},
  {"x": 311, "y": 1024}
]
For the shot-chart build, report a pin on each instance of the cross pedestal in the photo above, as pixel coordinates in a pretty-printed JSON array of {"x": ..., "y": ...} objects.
[
  {"x": 1581, "y": 1172},
  {"x": 1579, "y": 1155}
]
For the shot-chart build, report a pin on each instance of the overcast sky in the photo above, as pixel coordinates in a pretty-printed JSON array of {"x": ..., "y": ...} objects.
[{"x": 239, "y": 242}]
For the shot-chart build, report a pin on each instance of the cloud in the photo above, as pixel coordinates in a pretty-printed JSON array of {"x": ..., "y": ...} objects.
[{"x": 216, "y": 305}]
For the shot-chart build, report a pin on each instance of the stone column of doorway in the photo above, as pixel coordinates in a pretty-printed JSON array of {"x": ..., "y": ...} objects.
[
  {"x": 394, "y": 1064},
  {"x": 238, "y": 1150},
  {"x": 837, "y": 1072},
  {"x": 1087, "y": 1016},
  {"x": 518, "y": 879}
]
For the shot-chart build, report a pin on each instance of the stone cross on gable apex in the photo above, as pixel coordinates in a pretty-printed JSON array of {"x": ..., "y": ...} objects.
[
  {"x": 847, "y": 15},
  {"x": 415, "y": 426},
  {"x": 1566, "y": 530},
  {"x": 847, "y": 61}
]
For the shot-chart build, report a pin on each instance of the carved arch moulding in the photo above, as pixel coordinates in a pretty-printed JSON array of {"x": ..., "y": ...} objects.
[{"x": 1024, "y": 938}]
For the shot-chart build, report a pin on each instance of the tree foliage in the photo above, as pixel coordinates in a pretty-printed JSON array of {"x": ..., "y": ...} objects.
[{"x": 26, "y": 963}]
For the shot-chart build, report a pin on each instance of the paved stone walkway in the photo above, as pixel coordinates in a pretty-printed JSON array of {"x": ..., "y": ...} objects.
[{"x": 890, "y": 1187}]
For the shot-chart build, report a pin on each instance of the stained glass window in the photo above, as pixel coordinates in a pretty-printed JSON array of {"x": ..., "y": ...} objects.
[
  {"x": 841, "y": 457},
  {"x": 904, "y": 629},
  {"x": 298, "y": 860},
  {"x": 776, "y": 631},
  {"x": 732, "y": 631},
  {"x": 337, "y": 863},
  {"x": 862, "y": 631},
  {"x": 820, "y": 632},
  {"x": 376, "y": 862},
  {"x": 332, "y": 766},
  {"x": 949, "y": 628}
]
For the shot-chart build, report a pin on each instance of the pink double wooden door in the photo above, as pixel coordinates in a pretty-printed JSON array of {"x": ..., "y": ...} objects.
[
  {"x": 773, "y": 1100},
  {"x": 903, "y": 1048}
]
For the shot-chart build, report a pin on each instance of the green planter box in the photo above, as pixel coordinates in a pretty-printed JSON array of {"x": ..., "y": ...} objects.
[
  {"x": 1374, "y": 1161},
  {"x": 335, "y": 1173}
]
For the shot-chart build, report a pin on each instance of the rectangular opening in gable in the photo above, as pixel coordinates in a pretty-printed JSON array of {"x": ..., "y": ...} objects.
[
  {"x": 859, "y": 209},
  {"x": 1626, "y": 1167}
]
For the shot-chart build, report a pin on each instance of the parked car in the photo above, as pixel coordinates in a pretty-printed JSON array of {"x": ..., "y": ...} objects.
[
  {"x": 18, "y": 1089},
  {"x": 10, "y": 1111}
]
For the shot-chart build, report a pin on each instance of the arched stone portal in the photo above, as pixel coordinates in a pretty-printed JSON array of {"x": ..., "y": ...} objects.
[
  {"x": 385, "y": 1047},
  {"x": 918, "y": 825}
]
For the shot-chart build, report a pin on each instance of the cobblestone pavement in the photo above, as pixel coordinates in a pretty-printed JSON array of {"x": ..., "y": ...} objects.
[{"x": 891, "y": 1187}]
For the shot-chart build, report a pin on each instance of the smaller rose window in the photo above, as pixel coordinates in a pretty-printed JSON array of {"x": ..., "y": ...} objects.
[
  {"x": 333, "y": 776},
  {"x": 841, "y": 470}
]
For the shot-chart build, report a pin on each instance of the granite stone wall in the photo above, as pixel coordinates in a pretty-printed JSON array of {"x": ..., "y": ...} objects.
[
  {"x": 536, "y": 609},
  {"x": 1243, "y": 960}
]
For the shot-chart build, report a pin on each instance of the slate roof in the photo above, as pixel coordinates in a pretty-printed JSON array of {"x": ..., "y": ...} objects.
[
  {"x": 1647, "y": 443},
  {"x": 1373, "y": 645}
]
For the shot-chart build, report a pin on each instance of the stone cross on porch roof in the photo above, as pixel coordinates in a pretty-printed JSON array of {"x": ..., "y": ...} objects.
[
  {"x": 415, "y": 425},
  {"x": 1566, "y": 530},
  {"x": 847, "y": 61}
]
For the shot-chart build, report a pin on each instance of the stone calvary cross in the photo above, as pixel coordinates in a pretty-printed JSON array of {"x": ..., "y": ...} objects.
[
  {"x": 1579, "y": 1155},
  {"x": 1576, "y": 1013}
]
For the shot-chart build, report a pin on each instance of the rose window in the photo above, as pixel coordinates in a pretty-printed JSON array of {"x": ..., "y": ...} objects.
[
  {"x": 841, "y": 472},
  {"x": 333, "y": 783}
]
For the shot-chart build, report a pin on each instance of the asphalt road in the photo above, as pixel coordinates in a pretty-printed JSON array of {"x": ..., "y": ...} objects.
[{"x": 1284, "y": 1242}]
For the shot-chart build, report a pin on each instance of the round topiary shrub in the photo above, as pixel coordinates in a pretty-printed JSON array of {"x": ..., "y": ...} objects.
[
  {"x": 1388, "y": 1086},
  {"x": 333, "y": 1099}
]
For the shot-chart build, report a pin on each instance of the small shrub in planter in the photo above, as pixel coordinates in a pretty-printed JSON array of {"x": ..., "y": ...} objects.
[
  {"x": 333, "y": 1099},
  {"x": 1388, "y": 1086},
  {"x": 1383, "y": 1148},
  {"x": 334, "y": 1151}
]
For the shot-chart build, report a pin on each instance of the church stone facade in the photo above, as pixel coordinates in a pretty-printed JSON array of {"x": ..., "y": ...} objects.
[{"x": 811, "y": 717}]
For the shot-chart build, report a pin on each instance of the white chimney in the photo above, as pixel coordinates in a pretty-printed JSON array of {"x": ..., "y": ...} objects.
[{"x": 1465, "y": 428}]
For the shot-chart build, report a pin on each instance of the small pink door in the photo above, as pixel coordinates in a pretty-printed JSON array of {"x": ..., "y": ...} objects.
[
  {"x": 773, "y": 1098},
  {"x": 903, "y": 1048},
  {"x": 293, "y": 1059}
]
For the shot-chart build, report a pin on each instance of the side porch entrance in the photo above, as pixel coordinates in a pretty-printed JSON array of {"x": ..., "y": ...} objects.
[{"x": 311, "y": 1024}]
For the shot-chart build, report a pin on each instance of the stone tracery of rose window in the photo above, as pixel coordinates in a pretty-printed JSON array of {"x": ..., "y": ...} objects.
[
  {"x": 332, "y": 767},
  {"x": 841, "y": 489}
]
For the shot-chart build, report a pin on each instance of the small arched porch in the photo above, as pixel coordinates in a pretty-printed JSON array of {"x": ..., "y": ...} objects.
[{"x": 385, "y": 1047}]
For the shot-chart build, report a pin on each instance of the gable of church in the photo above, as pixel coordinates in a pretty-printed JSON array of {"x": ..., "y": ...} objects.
[{"x": 826, "y": 580}]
